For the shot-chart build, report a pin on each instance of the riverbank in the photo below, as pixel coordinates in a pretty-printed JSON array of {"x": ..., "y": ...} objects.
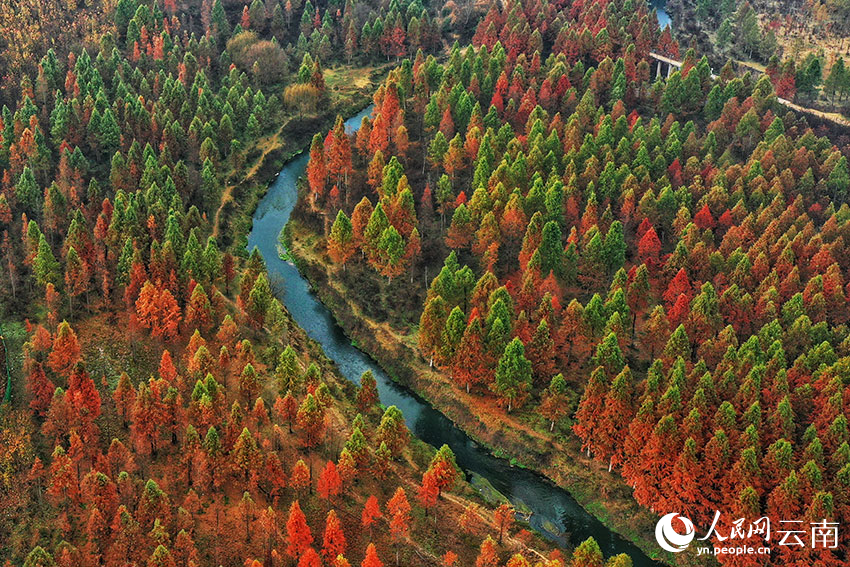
[
  {"x": 425, "y": 423},
  {"x": 602, "y": 494},
  {"x": 266, "y": 157}
]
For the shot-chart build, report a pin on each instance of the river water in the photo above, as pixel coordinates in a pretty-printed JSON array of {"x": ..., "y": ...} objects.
[
  {"x": 555, "y": 514},
  {"x": 664, "y": 19}
]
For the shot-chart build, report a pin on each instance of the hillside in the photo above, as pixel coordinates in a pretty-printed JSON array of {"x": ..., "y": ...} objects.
[
  {"x": 650, "y": 272},
  {"x": 164, "y": 408}
]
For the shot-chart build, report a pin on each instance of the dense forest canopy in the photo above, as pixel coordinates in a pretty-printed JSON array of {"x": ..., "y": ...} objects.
[
  {"x": 165, "y": 410},
  {"x": 660, "y": 265},
  {"x": 650, "y": 269}
]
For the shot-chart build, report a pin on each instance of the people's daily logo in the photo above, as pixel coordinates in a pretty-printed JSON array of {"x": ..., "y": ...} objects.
[
  {"x": 675, "y": 533},
  {"x": 669, "y": 538}
]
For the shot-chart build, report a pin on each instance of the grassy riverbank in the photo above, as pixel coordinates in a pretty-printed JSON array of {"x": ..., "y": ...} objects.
[
  {"x": 352, "y": 91},
  {"x": 349, "y": 90}
]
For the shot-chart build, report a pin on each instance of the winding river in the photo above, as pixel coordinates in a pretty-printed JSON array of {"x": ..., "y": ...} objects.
[{"x": 555, "y": 513}]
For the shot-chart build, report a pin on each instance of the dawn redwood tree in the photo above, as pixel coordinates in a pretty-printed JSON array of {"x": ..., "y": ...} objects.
[
  {"x": 461, "y": 230},
  {"x": 148, "y": 417},
  {"x": 487, "y": 555},
  {"x": 157, "y": 310},
  {"x": 587, "y": 554},
  {"x": 249, "y": 384},
  {"x": 371, "y": 513},
  {"x": 428, "y": 492},
  {"x": 40, "y": 388},
  {"x": 198, "y": 310},
  {"x": 554, "y": 404},
  {"x": 686, "y": 476},
  {"x": 573, "y": 337},
  {"x": 590, "y": 408},
  {"x": 301, "y": 476},
  {"x": 167, "y": 370},
  {"x": 638, "y": 293},
  {"x": 373, "y": 233},
  {"x": 45, "y": 267},
  {"x": 310, "y": 558},
  {"x": 259, "y": 300},
  {"x": 398, "y": 509},
  {"x": 513, "y": 375},
  {"x": 517, "y": 560},
  {"x": 704, "y": 320},
  {"x": 442, "y": 474},
  {"x": 339, "y": 154},
  {"x": 359, "y": 221},
  {"x": 609, "y": 355},
  {"x": 286, "y": 408},
  {"x": 358, "y": 448},
  {"x": 390, "y": 253},
  {"x": 393, "y": 431},
  {"x": 541, "y": 353},
  {"x": 247, "y": 456},
  {"x": 329, "y": 484},
  {"x": 341, "y": 244},
  {"x": 367, "y": 393},
  {"x": 288, "y": 371},
  {"x": 298, "y": 532},
  {"x": 452, "y": 335},
  {"x": 649, "y": 247},
  {"x": 311, "y": 419},
  {"x": 154, "y": 504},
  {"x": 504, "y": 517},
  {"x": 83, "y": 395},
  {"x": 371, "y": 559},
  {"x": 470, "y": 364},
  {"x": 65, "y": 352},
  {"x": 469, "y": 520},
  {"x": 704, "y": 219},
  {"x": 431, "y": 325},
  {"x": 617, "y": 413},
  {"x": 333, "y": 539},
  {"x": 317, "y": 173},
  {"x": 381, "y": 461},
  {"x": 656, "y": 331},
  {"x": 76, "y": 276}
]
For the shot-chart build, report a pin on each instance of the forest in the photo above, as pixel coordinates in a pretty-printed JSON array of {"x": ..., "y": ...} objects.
[
  {"x": 635, "y": 285},
  {"x": 801, "y": 45},
  {"x": 160, "y": 407},
  {"x": 650, "y": 272}
]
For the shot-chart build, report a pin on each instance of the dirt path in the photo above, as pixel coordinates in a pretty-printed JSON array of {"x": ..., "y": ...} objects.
[{"x": 831, "y": 116}]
